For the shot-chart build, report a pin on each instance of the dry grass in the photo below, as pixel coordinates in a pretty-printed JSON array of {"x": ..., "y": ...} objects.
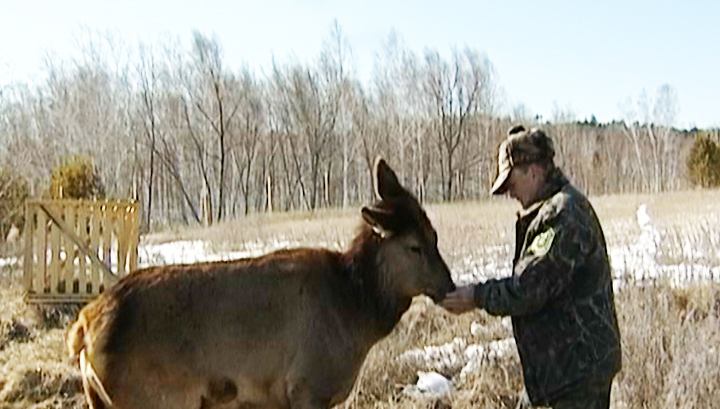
[
  {"x": 385, "y": 377},
  {"x": 35, "y": 369},
  {"x": 671, "y": 336},
  {"x": 670, "y": 347}
]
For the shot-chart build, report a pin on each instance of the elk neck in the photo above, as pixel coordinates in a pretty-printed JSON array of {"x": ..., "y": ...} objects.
[{"x": 376, "y": 298}]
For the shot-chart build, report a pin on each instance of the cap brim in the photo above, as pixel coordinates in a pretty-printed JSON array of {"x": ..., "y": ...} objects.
[{"x": 499, "y": 187}]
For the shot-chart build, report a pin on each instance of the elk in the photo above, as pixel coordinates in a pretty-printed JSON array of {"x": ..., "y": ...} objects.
[{"x": 290, "y": 329}]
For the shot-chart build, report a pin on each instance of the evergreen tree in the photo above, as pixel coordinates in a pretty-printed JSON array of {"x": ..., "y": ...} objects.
[{"x": 704, "y": 162}]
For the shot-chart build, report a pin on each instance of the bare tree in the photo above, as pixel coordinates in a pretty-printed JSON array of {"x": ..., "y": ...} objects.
[
  {"x": 648, "y": 125},
  {"x": 454, "y": 93},
  {"x": 309, "y": 113},
  {"x": 334, "y": 62},
  {"x": 147, "y": 73},
  {"x": 400, "y": 114},
  {"x": 210, "y": 97},
  {"x": 665, "y": 109},
  {"x": 250, "y": 124}
]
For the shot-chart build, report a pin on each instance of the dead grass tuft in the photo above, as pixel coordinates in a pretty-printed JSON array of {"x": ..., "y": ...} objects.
[
  {"x": 34, "y": 368},
  {"x": 670, "y": 353},
  {"x": 39, "y": 373},
  {"x": 39, "y": 384}
]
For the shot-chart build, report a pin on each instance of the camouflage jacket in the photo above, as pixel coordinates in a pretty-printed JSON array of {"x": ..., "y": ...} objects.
[{"x": 560, "y": 295}]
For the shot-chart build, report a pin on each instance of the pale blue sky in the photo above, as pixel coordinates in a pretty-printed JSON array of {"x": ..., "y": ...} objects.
[{"x": 587, "y": 57}]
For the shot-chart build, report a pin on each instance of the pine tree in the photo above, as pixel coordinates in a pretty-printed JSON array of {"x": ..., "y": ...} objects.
[{"x": 704, "y": 162}]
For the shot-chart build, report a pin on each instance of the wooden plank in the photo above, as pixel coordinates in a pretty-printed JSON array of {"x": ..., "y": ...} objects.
[
  {"x": 134, "y": 238},
  {"x": 29, "y": 256},
  {"x": 82, "y": 221},
  {"x": 53, "y": 270},
  {"x": 121, "y": 222},
  {"x": 65, "y": 229},
  {"x": 62, "y": 255},
  {"x": 82, "y": 202},
  {"x": 106, "y": 240},
  {"x": 68, "y": 273},
  {"x": 95, "y": 243},
  {"x": 35, "y": 298},
  {"x": 41, "y": 251}
]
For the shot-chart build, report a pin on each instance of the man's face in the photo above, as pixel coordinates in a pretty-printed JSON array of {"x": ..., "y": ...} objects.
[{"x": 524, "y": 183}]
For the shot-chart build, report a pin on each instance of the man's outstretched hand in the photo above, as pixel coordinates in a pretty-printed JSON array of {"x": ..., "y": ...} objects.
[{"x": 459, "y": 301}]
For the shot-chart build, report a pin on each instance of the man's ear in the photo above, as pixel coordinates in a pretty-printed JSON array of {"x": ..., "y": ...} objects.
[
  {"x": 387, "y": 186},
  {"x": 378, "y": 218},
  {"x": 538, "y": 172}
]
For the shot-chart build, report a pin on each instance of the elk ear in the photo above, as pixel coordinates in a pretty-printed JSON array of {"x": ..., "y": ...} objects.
[
  {"x": 387, "y": 185},
  {"x": 378, "y": 218}
]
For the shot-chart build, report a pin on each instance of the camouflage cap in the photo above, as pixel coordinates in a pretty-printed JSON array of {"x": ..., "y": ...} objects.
[{"x": 520, "y": 148}]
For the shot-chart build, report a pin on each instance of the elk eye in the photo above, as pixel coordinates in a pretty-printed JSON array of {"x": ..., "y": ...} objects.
[{"x": 415, "y": 249}]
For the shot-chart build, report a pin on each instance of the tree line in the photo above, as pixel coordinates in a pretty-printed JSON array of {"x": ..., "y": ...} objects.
[{"x": 194, "y": 140}]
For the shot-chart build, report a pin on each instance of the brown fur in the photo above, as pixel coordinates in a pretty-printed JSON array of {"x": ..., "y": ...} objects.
[{"x": 290, "y": 329}]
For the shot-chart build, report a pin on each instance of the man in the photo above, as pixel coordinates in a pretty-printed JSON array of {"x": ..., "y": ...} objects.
[{"x": 560, "y": 295}]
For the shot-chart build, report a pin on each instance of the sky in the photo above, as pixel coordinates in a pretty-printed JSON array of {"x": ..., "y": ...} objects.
[{"x": 571, "y": 56}]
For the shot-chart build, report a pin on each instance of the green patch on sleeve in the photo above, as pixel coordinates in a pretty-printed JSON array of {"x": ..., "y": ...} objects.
[{"x": 542, "y": 242}]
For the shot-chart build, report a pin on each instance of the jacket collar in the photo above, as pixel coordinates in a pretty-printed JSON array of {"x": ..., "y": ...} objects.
[{"x": 556, "y": 180}]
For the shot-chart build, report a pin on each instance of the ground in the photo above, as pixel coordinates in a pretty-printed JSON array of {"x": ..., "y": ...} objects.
[{"x": 665, "y": 251}]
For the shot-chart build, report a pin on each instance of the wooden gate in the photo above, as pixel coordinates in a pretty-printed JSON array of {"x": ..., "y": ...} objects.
[{"x": 74, "y": 249}]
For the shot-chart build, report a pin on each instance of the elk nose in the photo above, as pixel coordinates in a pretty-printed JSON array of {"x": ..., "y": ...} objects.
[{"x": 452, "y": 287}]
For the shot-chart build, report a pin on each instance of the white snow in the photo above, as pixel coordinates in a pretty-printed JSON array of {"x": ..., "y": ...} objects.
[
  {"x": 460, "y": 357},
  {"x": 10, "y": 261},
  {"x": 433, "y": 384},
  {"x": 640, "y": 261},
  {"x": 186, "y": 252}
]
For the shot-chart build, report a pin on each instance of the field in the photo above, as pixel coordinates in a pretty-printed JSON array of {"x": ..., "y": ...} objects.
[{"x": 665, "y": 251}]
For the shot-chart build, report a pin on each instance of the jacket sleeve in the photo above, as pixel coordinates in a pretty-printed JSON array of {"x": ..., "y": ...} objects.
[{"x": 542, "y": 272}]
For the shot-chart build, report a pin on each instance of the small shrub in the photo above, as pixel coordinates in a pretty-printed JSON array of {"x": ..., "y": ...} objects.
[
  {"x": 13, "y": 192},
  {"x": 76, "y": 178},
  {"x": 704, "y": 162}
]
